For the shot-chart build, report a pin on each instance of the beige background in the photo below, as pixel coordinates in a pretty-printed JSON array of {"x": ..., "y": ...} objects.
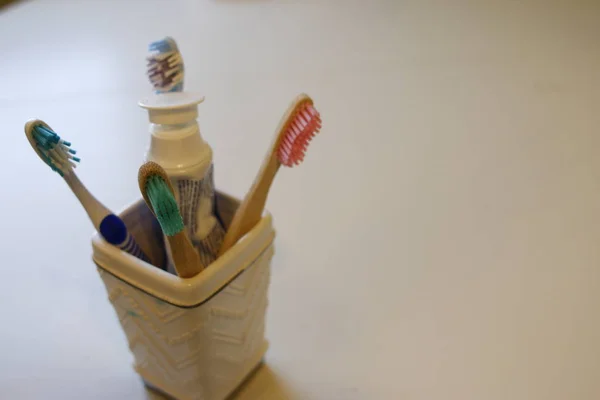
[{"x": 439, "y": 242}]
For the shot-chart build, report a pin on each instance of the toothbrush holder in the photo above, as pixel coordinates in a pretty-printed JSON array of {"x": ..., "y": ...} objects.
[{"x": 196, "y": 338}]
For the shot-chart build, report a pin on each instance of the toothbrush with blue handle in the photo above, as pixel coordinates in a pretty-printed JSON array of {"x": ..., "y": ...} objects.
[
  {"x": 59, "y": 156},
  {"x": 165, "y": 66}
]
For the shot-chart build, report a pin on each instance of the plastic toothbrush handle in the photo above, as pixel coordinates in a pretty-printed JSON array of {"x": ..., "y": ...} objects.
[
  {"x": 130, "y": 246},
  {"x": 114, "y": 231}
]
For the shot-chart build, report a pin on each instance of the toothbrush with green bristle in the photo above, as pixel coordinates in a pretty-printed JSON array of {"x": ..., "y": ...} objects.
[
  {"x": 59, "y": 156},
  {"x": 159, "y": 195}
]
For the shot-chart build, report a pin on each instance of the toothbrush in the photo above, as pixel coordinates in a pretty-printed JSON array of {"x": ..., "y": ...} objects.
[
  {"x": 59, "y": 156},
  {"x": 159, "y": 195},
  {"x": 165, "y": 66},
  {"x": 297, "y": 128}
]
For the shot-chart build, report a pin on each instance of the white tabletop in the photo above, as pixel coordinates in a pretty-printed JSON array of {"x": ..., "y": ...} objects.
[{"x": 440, "y": 240}]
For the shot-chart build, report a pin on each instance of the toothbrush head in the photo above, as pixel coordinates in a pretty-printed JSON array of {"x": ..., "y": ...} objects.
[
  {"x": 53, "y": 150},
  {"x": 299, "y": 125},
  {"x": 165, "y": 66},
  {"x": 159, "y": 195}
]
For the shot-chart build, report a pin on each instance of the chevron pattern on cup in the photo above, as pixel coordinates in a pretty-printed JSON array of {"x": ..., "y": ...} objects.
[{"x": 196, "y": 353}]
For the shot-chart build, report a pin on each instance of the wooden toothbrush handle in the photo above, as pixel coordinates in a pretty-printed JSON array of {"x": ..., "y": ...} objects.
[
  {"x": 185, "y": 257},
  {"x": 251, "y": 209},
  {"x": 95, "y": 210}
]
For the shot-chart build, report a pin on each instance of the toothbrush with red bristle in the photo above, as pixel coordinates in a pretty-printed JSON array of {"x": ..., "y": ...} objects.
[{"x": 298, "y": 126}]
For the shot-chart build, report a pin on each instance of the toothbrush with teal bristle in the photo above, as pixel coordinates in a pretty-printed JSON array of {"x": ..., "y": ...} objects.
[
  {"x": 59, "y": 156},
  {"x": 165, "y": 66},
  {"x": 160, "y": 198}
]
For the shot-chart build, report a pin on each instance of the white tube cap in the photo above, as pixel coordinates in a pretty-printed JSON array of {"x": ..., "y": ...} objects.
[{"x": 172, "y": 108}]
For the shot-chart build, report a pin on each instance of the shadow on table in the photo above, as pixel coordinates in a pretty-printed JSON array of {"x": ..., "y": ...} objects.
[{"x": 262, "y": 384}]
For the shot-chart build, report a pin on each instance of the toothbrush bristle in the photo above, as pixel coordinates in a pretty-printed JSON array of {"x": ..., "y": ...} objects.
[
  {"x": 305, "y": 124},
  {"x": 55, "y": 152},
  {"x": 163, "y": 45},
  {"x": 165, "y": 66},
  {"x": 164, "y": 205}
]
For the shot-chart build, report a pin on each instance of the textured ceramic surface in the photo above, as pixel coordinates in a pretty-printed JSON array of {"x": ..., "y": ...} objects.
[{"x": 196, "y": 338}]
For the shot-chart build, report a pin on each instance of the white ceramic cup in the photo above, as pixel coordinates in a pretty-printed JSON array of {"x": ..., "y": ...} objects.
[{"x": 196, "y": 338}]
